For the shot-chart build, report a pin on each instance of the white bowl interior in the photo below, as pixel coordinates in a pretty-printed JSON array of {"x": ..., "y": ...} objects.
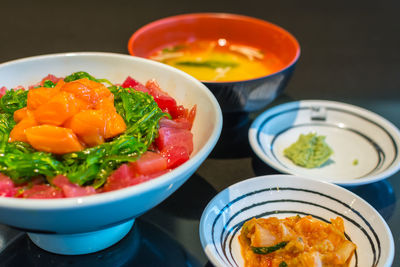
[
  {"x": 365, "y": 146},
  {"x": 286, "y": 195}
]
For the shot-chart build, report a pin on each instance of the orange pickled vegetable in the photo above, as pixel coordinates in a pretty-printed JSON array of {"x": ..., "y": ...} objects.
[
  {"x": 18, "y": 132},
  {"x": 21, "y": 114},
  {"x": 87, "y": 90},
  {"x": 297, "y": 241},
  {"x": 115, "y": 125},
  {"x": 83, "y": 105},
  {"x": 106, "y": 104},
  {"x": 41, "y": 95},
  {"x": 99, "y": 88},
  {"x": 68, "y": 117},
  {"x": 59, "y": 85},
  {"x": 54, "y": 139},
  {"x": 57, "y": 110},
  {"x": 89, "y": 125},
  {"x": 81, "y": 91}
]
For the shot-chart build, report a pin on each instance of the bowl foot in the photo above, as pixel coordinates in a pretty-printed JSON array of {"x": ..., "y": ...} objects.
[{"x": 83, "y": 243}]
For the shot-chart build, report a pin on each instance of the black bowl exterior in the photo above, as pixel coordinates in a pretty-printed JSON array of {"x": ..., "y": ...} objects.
[{"x": 250, "y": 95}]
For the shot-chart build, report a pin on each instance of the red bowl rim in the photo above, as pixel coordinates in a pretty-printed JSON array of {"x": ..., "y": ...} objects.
[{"x": 155, "y": 23}]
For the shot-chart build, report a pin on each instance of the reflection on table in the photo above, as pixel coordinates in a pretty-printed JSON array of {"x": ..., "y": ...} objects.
[{"x": 145, "y": 245}]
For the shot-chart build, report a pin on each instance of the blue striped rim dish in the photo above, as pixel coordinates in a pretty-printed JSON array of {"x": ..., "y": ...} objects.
[
  {"x": 287, "y": 195},
  {"x": 353, "y": 133}
]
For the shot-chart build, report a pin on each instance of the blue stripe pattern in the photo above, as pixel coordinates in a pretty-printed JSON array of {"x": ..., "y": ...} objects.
[{"x": 228, "y": 233}]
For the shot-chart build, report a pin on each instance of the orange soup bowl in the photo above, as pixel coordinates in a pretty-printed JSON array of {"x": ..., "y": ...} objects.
[{"x": 280, "y": 50}]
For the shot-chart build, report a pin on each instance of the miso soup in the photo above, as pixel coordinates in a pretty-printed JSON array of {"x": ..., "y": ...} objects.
[{"x": 219, "y": 60}]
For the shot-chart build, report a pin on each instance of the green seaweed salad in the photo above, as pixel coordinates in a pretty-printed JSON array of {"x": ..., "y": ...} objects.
[{"x": 93, "y": 165}]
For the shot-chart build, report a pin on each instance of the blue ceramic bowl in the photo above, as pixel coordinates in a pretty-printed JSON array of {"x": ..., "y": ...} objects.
[{"x": 233, "y": 96}]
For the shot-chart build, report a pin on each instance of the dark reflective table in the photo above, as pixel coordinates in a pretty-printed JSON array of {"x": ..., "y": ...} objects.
[
  {"x": 145, "y": 245},
  {"x": 350, "y": 53}
]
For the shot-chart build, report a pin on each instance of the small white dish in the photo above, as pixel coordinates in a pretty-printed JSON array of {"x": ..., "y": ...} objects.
[
  {"x": 365, "y": 145},
  {"x": 287, "y": 195}
]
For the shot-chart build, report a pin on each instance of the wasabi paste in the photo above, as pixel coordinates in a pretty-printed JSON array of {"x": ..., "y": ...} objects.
[{"x": 309, "y": 151}]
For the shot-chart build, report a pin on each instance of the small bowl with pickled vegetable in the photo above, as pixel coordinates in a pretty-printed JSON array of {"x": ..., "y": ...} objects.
[
  {"x": 287, "y": 220},
  {"x": 100, "y": 141},
  {"x": 246, "y": 62}
]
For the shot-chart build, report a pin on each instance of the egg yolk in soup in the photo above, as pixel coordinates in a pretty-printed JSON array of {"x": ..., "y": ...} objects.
[{"x": 219, "y": 60}]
